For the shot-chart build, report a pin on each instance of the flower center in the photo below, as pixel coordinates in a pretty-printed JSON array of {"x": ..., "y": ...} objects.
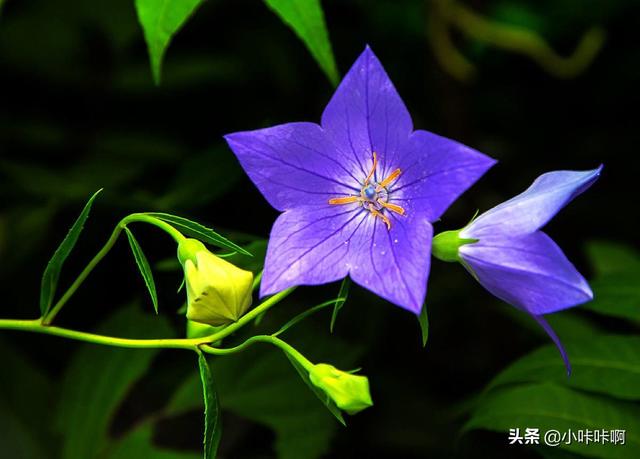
[{"x": 374, "y": 196}]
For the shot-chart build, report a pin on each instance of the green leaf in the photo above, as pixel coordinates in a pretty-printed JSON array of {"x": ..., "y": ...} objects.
[
  {"x": 161, "y": 20},
  {"x": 423, "y": 320},
  {"x": 306, "y": 19},
  {"x": 26, "y": 397},
  {"x": 609, "y": 257},
  {"x": 98, "y": 379},
  {"x": 551, "y": 407},
  {"x": 343, "y": 294},
  {"x": 52, "y": 271},
  {"x": 198, "y": 231},
  {"x": 138, "y": 444},
  {"x": 603, "y": 364},
  {"x": 324, "y": 398},
  {"x": 617, "y": 295},
  {"x": 212, "y": 414},
  {"x": 615, "y": 287},
  {"x": 18, "y": 441},
  {"x": 144, "y": 267},
  {"x": 304, "y": 314}
]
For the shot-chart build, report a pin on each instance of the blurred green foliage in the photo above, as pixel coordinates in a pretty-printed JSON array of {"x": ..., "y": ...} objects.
[{"x": 79, "y": 110}]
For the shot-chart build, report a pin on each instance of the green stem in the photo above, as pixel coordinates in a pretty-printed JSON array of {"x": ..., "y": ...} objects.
[
  {"x": 35, "y": 326},
  {"x": 287, "y": 348},
  {"x": 256, "y": 280},
  {"x": 177, "y": 236}
]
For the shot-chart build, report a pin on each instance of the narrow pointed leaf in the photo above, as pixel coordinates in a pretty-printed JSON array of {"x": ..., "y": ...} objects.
[
  {"x": 423, "y": 320},
  {"x": 144, "y": 267},
  {"x": 305, "y": 314},
  {"x": 331, "y": 406},
  {"x": 212, "y": 414},
  {"x": 52, "y": 271},
  {"x": 343, "y": 294},
  {"x": 306, "y": 19},
  {"x": 198, "y": 231},
  {"x": 161, "y": 20}
]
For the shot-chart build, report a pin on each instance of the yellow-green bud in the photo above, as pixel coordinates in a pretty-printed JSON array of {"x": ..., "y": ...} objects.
[
  {"x": 348, "y": 391},
  {"x": 218, "y": 292}
]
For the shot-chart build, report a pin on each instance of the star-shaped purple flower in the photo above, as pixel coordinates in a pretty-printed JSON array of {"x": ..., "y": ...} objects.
[
  {"x": 520, "y": 264},
  {"x": 358, "y": 192}
]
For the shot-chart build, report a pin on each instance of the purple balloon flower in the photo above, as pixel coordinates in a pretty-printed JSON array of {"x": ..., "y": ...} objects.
[
  {"x": 358, "y": 192},
  {"x": 516, "y": 261}
]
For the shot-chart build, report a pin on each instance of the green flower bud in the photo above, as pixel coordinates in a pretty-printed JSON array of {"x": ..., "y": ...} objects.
[
  {"x": 218, "y": 292},
  {"x": 349, "y": 392},
  {"x": 445, "y": 245}
]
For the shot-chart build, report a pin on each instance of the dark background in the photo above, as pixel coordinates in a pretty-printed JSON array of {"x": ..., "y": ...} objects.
[{"x": 79, "y": 111}]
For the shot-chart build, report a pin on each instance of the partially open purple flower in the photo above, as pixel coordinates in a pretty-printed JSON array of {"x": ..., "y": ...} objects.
[
  {"x": 357, "y": 192},
  {"x": 505, "y": 251}
]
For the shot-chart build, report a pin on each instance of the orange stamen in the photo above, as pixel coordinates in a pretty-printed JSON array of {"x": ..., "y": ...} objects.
[
  {"x": 373, "y": 169},
  {"x": 384, "y": 218},
  {"x": 345, "y": 200},
  {"x": 392, "y": 177},
  {"x": 392, "y": 207}
]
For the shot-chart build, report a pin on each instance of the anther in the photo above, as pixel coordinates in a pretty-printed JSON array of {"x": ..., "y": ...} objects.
[
  {"x": 382, "y": 216},
  {"x": 345, "y": 200},
  {"x": 390, "y": 179},
  {"x": 392, "y": 207}
]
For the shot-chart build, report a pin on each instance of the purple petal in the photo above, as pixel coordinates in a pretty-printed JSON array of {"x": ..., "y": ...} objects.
[
  {"x": 366, "y": 114},
  {"x": 310, "y": 246},
  {"x": 552, "y": 334},
  {"x": 436, "y": 171},
  {"x": 529, "y": 272},
  {"x": 292, "y": 164},
  {"x": 394, "y": 264},
  {"x": 533, "y": 208}
]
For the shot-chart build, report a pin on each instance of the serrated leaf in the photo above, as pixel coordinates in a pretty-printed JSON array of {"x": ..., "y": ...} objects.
[
  {"x": 324, "y": 398},
  {"x": 212, "y": 413},
  {"x": 198, "y": 231},
  {"x": 604, "y": 364},
  {"x": 343, "y": 294},
  {"x": 306, "y": 19},
  {"x": 161, "y": 20},
  {"x": 52, "y": 271},
  {"x": 143, "y": 266},
  {"x": 98, "y": 379},
  {"x": 423, "y": 320},
  {"x": 552, "y": 407}
]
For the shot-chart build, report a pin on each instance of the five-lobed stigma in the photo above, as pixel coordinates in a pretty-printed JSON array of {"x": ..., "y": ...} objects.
[{"x": 374, "y": 196}]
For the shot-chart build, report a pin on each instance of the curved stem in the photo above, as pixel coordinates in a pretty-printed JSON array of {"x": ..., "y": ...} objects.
[
  {"x": 138, "y": 217},
  {"x": 287, "y": 348}
]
